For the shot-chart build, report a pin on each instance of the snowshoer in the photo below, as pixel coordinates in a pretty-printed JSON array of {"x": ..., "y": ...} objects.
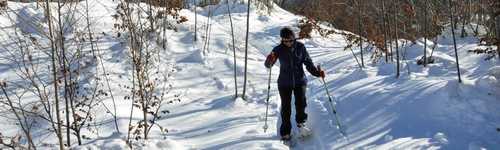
[{"x": 292, "y": 55}]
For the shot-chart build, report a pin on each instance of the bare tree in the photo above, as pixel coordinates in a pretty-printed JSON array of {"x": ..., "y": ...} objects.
[
  {"x": 82, "y": 104},
  {"x": 36, "y": 84},
  {"x": 246, "y": 51},
  {"x": 234, "y": 49},
  {"x": 206, "y": 46},
  {"x": 396, "y": 13},
  {"x": 384, "y": 30},
  {"x": 466, "y": 5},
  {"x": 150, "y": 85},
  {"x": 497, "y": 26},
  {"x": 195, "y": 20},
  {"x": 54, "y": 75},
  {"x": 63, "y": 63},
  {"x": 20, "y": 116},
  {"x": 390, "y": 30},
  {"x": 425, "y": 32},
  {"x": 452, "y": 20},
  {"x": 360, "y": 30}
]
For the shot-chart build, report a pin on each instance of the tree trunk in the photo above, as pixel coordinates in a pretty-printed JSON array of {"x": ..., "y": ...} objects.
[
  {"x": 479, "y": 17},
  {"x": 497, "y": 18},
  {"x": 396, "y": 37},
  {"x": 207, "y": 33},
  {"x": 425, "y": 33},
  {"x": 54, "y": 76},
  {"x": 384, "y": 30},
  {"x": 150, "y": 13},
  {"x": 452, "y": 20},
  {"x": 246, "y": 52},
  {"x": 65, "y": 72},
  {"x": 195, "y": 21},
  {"x": 464, "y": 20},
  {"x": 389, "y": 32},
  {"x": 234, "y": 49},
  {"x": 360, "y": 29}
]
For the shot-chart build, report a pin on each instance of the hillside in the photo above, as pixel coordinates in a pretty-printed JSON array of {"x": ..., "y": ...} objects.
[{"x": 425, "y": 108}]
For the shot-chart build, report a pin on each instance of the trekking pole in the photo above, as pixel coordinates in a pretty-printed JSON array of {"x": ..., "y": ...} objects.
[
  {"x": 267, "y": 101},
  {"x": 334, "y": 110}
]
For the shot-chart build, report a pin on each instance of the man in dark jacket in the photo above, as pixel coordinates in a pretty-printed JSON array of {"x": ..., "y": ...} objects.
[{"x": 292, "y": 55}]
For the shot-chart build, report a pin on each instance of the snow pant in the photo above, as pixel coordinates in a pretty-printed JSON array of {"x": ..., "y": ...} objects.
[{"x": 286, "y": 107}]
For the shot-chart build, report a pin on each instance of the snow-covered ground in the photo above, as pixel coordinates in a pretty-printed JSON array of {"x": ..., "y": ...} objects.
[{"x": 425, "y": 108}]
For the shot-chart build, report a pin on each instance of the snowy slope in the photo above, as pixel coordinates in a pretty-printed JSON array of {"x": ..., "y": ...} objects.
[{"x": 426, "y": 109}]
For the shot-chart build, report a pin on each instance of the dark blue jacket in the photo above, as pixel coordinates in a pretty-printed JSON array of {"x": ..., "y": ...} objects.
[{"x": 291, "y": 60}]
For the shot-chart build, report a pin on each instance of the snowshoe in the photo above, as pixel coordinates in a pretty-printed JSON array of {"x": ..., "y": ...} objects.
[
  {"x": 287, "y": 140},
  {"x": 304, "y": 131}
]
